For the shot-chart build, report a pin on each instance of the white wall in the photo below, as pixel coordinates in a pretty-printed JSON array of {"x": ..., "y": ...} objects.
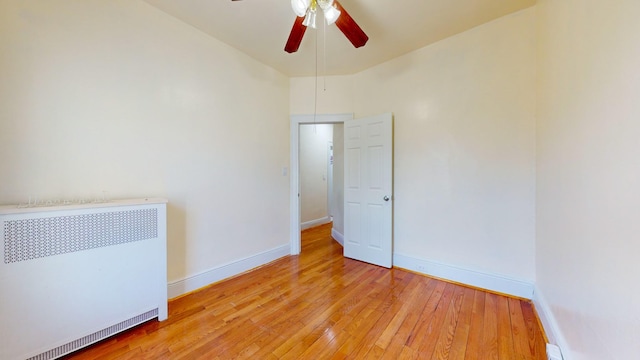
[
  {"x": 588, "y": 175},
  {"x": 335, "y": 95},
  {"x": 314, "y": 139},
  {"x": 118, "y": 96},
  {"x": 464, "y": 146}
]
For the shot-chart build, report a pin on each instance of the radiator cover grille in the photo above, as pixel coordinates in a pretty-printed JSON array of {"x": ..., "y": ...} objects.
[
  {"x": 41, "y": 237},
  {"x": 95, "y": 337}
]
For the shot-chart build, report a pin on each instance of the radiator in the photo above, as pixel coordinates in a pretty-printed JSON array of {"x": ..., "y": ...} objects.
[{"x": 76, "y": 274}]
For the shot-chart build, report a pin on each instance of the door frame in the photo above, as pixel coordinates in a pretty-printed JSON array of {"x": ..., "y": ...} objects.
[
  {"x": 294, "y": 160},
  {"x": 330, "y": 179}
]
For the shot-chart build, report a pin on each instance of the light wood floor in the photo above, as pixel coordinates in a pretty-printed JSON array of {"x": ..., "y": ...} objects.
[{"x": 320, "y": 305}]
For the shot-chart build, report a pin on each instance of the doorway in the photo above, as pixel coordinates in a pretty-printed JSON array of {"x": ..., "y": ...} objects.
[
  {"x": 315, "y": 173},
  {"x": 296, "y": 122}
]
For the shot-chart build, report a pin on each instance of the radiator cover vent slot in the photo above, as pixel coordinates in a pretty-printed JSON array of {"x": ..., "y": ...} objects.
[
  {"x": 41, "y": 237},
  {"x": 95, "y": 337}
]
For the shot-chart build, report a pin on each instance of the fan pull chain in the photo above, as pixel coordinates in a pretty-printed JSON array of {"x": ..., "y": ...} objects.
[
  {"x": 315, "y": 89},
  {"x": 324, "y": 54}
]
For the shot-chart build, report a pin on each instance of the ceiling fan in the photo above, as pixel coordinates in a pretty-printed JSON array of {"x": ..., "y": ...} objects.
[{"x": 333, "y": 11}]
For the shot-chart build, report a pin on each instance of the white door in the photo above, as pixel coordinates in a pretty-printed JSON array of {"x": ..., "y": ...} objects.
[{"x": 368, "y": 184}]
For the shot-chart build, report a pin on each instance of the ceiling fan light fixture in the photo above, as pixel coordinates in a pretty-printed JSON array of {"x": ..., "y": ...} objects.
[
  {"x": 300, "y": 7},
  {"x": 310, "y": 20},
  {"x": 331, "y": 14}
]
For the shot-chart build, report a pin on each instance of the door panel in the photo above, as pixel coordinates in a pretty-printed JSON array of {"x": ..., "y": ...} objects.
[
  {"x": 352, "y": 233},
  {"x": 352, "y": 172}
]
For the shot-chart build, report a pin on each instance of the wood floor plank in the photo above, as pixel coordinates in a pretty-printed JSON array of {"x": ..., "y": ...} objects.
[
  {"x": 519, "y": 330},
  {"x": 535, "y": 335},
  {"x": 461, "y": 335},
  {"x": 430, "y": 335},
  {"x": 426, "y": 317},
  {"x": 489, "y": 349},
  {"x": 400, "y": 338},
  {"x": 476, "y": 328},
  {"x": 407, "y": 354},
  {"x": 505, "y": 335},
  {"x": 360, "y": 326},
  {"x": 337, "y": 335},
  {"x": 448, "y": 328},
  {"x": 320, "y": 305},
  {"x": 400, "y": 315},
  {"x": 384, "y": 313},
  {"x": 313, "y": 320}
]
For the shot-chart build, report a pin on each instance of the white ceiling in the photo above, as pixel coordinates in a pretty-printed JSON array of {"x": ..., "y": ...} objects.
[{"x": 260, "y": 28}]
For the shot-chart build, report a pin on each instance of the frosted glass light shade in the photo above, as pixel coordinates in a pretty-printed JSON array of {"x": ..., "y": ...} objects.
[
  {"x": 310, "y": 20},
  {"x": 300, "y": 7},
  {"x": 331, "y": 14}
]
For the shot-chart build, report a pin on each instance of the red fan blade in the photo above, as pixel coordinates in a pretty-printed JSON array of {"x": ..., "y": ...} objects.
[
  {"x": 295, "y": 37},
  {"x": 349, "y": 28}
]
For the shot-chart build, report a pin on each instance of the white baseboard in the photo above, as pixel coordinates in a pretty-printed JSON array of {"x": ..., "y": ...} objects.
[
  {"x": 492, "y": 282},
  {"x": 316, "y": 222},
  {"x": 337, "y": 237},
  {"x": 177, "y": 288},
  {"x": 549, "y": 323}
]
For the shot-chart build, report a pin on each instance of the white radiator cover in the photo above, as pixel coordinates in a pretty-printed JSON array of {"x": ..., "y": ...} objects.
[{"x": 73, "y": 275}]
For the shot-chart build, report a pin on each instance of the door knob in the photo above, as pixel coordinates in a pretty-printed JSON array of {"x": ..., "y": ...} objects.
[{"x": 385, "y": 198}]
